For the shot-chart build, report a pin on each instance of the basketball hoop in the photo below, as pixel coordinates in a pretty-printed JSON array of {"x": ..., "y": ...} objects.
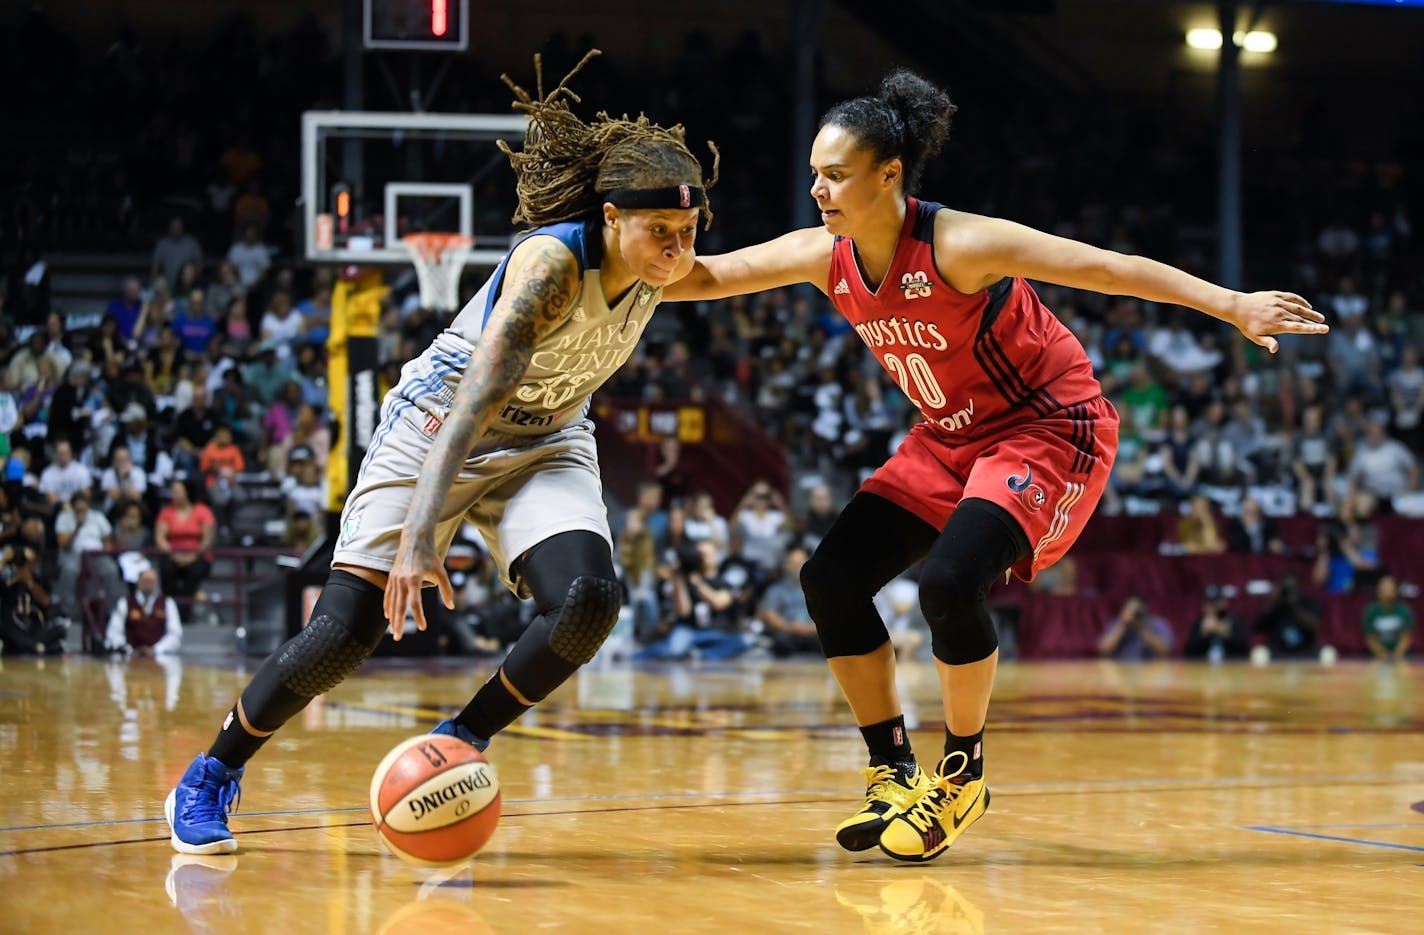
[{"x": 438, "y": 259}]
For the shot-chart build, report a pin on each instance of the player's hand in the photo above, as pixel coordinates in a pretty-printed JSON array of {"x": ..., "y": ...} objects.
[
  {"x": 416, "y": 563},
  {"x": 1258, "y": 315}
]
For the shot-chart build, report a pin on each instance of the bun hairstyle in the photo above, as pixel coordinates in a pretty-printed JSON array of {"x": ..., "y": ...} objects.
[{"x": 908, "y": 117}]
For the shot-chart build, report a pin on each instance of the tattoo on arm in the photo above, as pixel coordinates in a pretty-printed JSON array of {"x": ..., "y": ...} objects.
[{"x": 536, "y": 299}]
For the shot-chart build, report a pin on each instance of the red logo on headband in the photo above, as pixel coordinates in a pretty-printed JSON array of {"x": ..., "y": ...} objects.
[{"x": 684, "y": 195}]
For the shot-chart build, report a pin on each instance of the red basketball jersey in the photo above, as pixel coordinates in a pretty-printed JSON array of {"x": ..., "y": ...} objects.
[{"x": 973, "y": 364}]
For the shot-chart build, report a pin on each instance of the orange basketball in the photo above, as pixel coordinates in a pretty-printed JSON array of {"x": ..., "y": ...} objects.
[{"x": 434, "y": 800}]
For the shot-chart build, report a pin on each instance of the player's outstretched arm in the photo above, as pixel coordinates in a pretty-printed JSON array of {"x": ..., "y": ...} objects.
[
  {"x": 974, "y": 251},
  {"x": 800, "y": 256},
  {"x": 540, "y": 282}
]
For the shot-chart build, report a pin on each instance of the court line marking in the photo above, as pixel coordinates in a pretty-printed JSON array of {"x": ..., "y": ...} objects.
[
  {"x": 1358, "y": 824},
  {"x": 578, "y": 726},
  {"x": 1331, "y": 837},
  {"x": 363, "y": 808},
  {"x": 1097, "y": 786},
  {"x": 627, "y": 808},
  {"x": 356, "y": 824}
]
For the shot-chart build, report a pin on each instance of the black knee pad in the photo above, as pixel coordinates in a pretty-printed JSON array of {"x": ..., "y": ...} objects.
[
  {"x": 347, "y": 624},
  {"x": 557, "y": 642},
  {"x": 952, "y": 600},
  {"x": 588, "y": 616},
  {"x": 348, "y": 621},
  {"x": 841, "y": 604},
  {"x": 978, "y": 544}
]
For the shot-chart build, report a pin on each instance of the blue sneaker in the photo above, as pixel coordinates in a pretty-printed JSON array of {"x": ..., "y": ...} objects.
[
  {"x": 197, "y": 809},
  {"x": 451, "y": 729}
]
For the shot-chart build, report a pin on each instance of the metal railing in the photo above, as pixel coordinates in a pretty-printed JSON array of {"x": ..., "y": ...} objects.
[{"x": 234, "y": 571}]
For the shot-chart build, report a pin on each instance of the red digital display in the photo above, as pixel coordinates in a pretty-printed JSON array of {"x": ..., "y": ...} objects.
[{"x": 420, "y": 25}]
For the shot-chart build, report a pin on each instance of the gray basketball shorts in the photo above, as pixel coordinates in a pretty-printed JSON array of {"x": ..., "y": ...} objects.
[{"x": 517, "y": 490}]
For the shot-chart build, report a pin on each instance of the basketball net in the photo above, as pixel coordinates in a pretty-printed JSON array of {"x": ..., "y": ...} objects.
[{"x": 438, "y": 259}]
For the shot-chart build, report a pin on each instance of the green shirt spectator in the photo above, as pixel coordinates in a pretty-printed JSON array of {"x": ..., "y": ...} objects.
[
  {"x": 1146, "y": 399},
  {"x": 1388, "y": 622}
]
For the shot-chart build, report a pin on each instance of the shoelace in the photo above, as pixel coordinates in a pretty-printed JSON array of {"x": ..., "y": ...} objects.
[
  {"x": 942, "y": 794},
  {"x": 876, "y": 776},
  {"x": 198, "y": 808},
  {"x": 880, "y": 783}
]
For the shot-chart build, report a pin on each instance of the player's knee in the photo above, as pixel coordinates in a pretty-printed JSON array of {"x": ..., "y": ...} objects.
[
  {"x": 952, "y": 600},
  {"x": 949, "y": 591},
  {"x": 837, "y": 599},
  {"x": 829, "y": 582},
  {"x": 560, "y": 640},
  {"x": 347, "y": 623},
  {"x": 588, "y": 616}
]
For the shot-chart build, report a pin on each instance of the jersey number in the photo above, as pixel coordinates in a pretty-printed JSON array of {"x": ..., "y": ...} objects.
[{"x": 915, "y": 369}]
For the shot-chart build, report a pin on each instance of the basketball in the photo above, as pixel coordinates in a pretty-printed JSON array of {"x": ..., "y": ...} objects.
[{"x": 434, "y": 800}]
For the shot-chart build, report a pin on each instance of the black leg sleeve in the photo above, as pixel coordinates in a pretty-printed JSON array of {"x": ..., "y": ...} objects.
[
  {"x": 871, "y": 542},
  {"x": 979, "y": 543}
]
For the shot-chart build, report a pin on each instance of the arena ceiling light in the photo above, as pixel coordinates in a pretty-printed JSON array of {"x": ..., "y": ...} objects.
[{"x": 1257, "y": 40}]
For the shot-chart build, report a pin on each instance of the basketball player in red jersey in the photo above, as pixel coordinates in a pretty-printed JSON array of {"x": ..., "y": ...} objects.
[{"x": 1014, "y": 450}]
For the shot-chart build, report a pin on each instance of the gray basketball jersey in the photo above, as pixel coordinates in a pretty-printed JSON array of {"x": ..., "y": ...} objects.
[{"x": 568, "y": 365}]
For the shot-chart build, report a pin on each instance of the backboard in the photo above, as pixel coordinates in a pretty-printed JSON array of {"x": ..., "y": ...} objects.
[
  {"x": 368, "y": 178},
  {"x": 416, "y": 25}
]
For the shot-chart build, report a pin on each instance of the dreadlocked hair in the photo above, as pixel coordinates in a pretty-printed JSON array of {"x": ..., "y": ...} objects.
[{"x": 567, "y": 166}]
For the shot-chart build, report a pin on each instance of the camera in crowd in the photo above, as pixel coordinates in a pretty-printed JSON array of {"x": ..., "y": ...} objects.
[
  {"x": 14, "y": 560},
  {"x": 689, "y": 560}
]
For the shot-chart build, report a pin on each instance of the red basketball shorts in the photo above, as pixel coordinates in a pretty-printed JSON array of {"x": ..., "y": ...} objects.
[{"x": 1048, "y": 473}]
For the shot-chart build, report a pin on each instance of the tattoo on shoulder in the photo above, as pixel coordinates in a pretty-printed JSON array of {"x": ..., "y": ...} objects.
[
  {"x": 541, "y": 295},
  {"x": 534, "y": 303}
]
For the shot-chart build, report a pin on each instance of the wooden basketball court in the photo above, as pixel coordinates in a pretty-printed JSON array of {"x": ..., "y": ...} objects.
[{"x": 1152, "y": 798}]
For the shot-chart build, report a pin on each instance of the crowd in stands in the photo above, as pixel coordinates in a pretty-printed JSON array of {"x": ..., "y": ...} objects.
[{"x": 203, "y": 387}]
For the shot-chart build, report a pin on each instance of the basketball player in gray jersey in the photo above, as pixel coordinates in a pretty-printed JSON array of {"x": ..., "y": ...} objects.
[{"x": 489, "y": 425}]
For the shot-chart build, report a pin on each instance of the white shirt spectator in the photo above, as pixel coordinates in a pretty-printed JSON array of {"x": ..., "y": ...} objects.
[
  {"x": 1385, "y": 470},
  {"x": 132, "y": 484},
  {"x": 1178, "y": 349},
  {"x": 61, "y": 355},
  {"x": 251, "y": 261},
  {"x": 763, "y": 537},
  {"x": 215, "y": 374},
  {"x": 64, "y": 482},
  {"x": 1349, "y": 304},
  {"x": 308, "y": 498},
  {"x": 284, "y": 331},
  {"x": 712, "y": 530},
  {"x": 1337, "y": 240},
  {"x": 1406, "y": 387},
  {"x": 87, "y": 537},
  {"x": 9, "y": 412},
  {"x": 116, "y": 636}
]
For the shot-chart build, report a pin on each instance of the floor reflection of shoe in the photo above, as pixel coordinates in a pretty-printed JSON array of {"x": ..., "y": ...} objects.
[
  {"x": 940, "y": 816},
  {"x": 913, "y": 907},
  {"x": 195, "y": 886}
]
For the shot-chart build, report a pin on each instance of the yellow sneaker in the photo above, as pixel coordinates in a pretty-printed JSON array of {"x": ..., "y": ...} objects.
[
  {"x": 890, "y": 788},
  {"x": 940, "y": 816}
]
